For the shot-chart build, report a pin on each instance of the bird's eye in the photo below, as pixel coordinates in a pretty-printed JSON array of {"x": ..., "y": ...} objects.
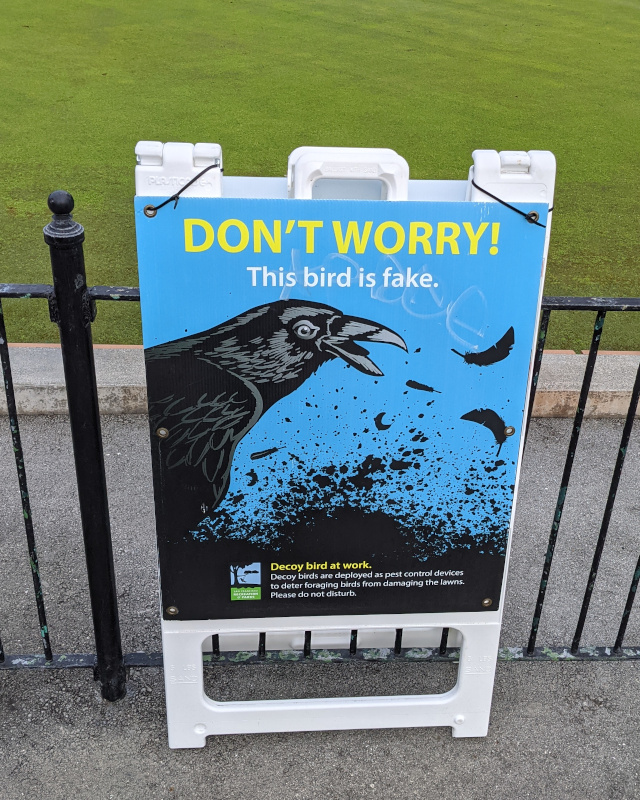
[{"x": 305, "y": 329}]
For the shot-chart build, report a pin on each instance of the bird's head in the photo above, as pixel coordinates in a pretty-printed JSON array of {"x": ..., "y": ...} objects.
[{"x": 284, "y": 342}]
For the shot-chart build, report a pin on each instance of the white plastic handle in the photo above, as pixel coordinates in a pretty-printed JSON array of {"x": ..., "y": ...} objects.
[{"x": 308, "y": 165}]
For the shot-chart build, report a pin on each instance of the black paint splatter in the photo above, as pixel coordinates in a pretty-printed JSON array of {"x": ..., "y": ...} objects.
[
  {"x": 379, "y": 423},
  {"x": 253, "y": 477},
  {"x": 422, "y": 387}
]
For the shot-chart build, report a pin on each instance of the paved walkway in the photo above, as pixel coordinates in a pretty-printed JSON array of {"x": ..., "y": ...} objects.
[
  {"x": 557, "y": 729},
  {"x": 565, "y": 730}
]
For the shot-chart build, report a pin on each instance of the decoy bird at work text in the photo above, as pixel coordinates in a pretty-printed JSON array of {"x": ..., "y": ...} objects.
[{"x": 207, "y": 391}]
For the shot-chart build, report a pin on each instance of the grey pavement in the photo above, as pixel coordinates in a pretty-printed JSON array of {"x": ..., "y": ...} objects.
[
  {"x": 559, "y": 728},
  {"x": 39, "y": 382},
  {"x": 565, "y": 731}
]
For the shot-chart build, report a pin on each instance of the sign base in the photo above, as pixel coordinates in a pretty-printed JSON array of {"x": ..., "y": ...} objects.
[{"x": 192, "y": 716}]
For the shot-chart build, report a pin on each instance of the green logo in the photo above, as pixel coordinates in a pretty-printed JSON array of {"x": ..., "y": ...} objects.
[
  {"x": 245, "y": 592},
  {"x": 245, "y": 581}
]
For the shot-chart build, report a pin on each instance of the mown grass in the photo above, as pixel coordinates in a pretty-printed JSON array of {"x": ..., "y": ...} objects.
[{"x": 81, "y": 82}]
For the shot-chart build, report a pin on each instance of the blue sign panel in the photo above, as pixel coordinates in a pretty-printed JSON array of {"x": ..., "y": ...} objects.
[{"x": 336, "y": 396}]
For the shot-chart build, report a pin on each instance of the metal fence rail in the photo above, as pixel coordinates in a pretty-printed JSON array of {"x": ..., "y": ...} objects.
[{"x": 72, "y": 306}]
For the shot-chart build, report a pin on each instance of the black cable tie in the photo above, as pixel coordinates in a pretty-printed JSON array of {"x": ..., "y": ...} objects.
[
  {"x": 531, "y": 216},
  {"x": 151, "y": 211}
]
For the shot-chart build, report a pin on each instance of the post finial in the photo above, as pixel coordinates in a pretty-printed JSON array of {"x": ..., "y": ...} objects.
[
  {"x": 60, "y": 202},
  {"x": 63, "y": 229}
]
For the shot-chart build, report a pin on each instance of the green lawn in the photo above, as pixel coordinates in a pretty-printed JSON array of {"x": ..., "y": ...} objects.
[{"x": 82, "y": 81}]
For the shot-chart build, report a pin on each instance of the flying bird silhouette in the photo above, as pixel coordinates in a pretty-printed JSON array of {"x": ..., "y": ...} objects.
[{"x": 207, "y": 391}]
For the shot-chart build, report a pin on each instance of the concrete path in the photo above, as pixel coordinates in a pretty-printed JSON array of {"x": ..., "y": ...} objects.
[
  {"x": 566, "y": 731},
  {"x": 557, "y": 729},
  {"x": 39, "y": 382}
]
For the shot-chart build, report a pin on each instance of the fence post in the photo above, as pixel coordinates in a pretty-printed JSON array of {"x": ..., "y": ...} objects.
[{"x": 75, "y": 313}]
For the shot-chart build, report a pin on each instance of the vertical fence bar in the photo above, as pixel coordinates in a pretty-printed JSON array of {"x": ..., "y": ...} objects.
[
  {"x": 75, "y": 314},
  {"x": 537, "y": 363},
  {"x": 566, "y": 475},
  {"x": 617, "y": 647},
  {"x": 397, "y": 645},
  {"x": 606, "y": 519},
  {"x": 444, "y": 641},
  {"x": 24, "y": 489}
]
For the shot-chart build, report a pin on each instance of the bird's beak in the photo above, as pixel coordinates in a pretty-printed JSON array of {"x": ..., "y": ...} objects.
[{"x": 344, "y": 332}]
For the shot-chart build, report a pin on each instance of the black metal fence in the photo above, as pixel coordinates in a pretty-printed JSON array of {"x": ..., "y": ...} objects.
[{"x": 72, "y": 306}]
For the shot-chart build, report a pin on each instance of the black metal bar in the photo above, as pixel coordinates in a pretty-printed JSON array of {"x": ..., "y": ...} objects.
[
  {"x": 215, "y": 645},
  {"x": 537, "y": 363},
  {"x": 132, "y": 293},
  {"x": 25, "y": 291},
  {"x": 413, "y": 655},
  {"x": 262, "y": 645},
  {"x": 617, "y": 647},
  {"x": 1, "y": 653},
  {"x": 397, "y": 646},
  {"x": 353, "y": 643},
  {"x": 24, "y": 489},
  {"x": 307, "y": 644},
  {"x": 443, "y": 641},
  {"x": 566, "y": 475},
  {"x": 421, "y": 655},
  {"x": 76, "y": 312},
  {"x": 65, "y": 661},
  {"x": 115, "y": 293},
  {"x": 591, "y": 303},
  {"x": 77, "y": 661},
  {"x": 606, "y": 519}
]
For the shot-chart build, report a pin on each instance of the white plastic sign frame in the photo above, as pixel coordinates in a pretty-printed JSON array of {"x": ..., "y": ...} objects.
[{"x": 514, "y": 177}]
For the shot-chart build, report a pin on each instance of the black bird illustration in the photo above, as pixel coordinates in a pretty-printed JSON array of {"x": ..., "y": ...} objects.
[
  {"x": 497, "y": 352},
  {"x": 208, "y": 390}
]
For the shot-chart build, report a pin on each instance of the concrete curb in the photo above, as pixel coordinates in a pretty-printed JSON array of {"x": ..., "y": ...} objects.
[
  {"x": 39, "y": 384},
  {"x": 561, "y": 379},
  {"x": 38, "y": 380}
]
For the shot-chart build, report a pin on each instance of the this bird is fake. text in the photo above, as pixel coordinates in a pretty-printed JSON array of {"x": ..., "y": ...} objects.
[{"x": 309, "y": 278}]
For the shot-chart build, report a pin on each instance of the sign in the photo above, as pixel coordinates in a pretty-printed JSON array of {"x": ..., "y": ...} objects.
[{"x": 337, "y": 395}]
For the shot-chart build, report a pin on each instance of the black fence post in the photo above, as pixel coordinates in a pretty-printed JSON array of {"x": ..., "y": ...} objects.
[{"x": 75, "y": 313}]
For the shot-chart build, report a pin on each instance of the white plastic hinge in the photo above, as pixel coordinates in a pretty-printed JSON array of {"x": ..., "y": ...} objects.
[
  {"x": 514, "y": 176},
  {"x": 310, "y": 165},
  {"x": 163, "y": 169}
]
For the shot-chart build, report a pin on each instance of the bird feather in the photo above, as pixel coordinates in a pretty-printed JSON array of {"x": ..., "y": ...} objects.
[
  {"x": 497, "y": 352},
  {"x": 491, "y": 420}
]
